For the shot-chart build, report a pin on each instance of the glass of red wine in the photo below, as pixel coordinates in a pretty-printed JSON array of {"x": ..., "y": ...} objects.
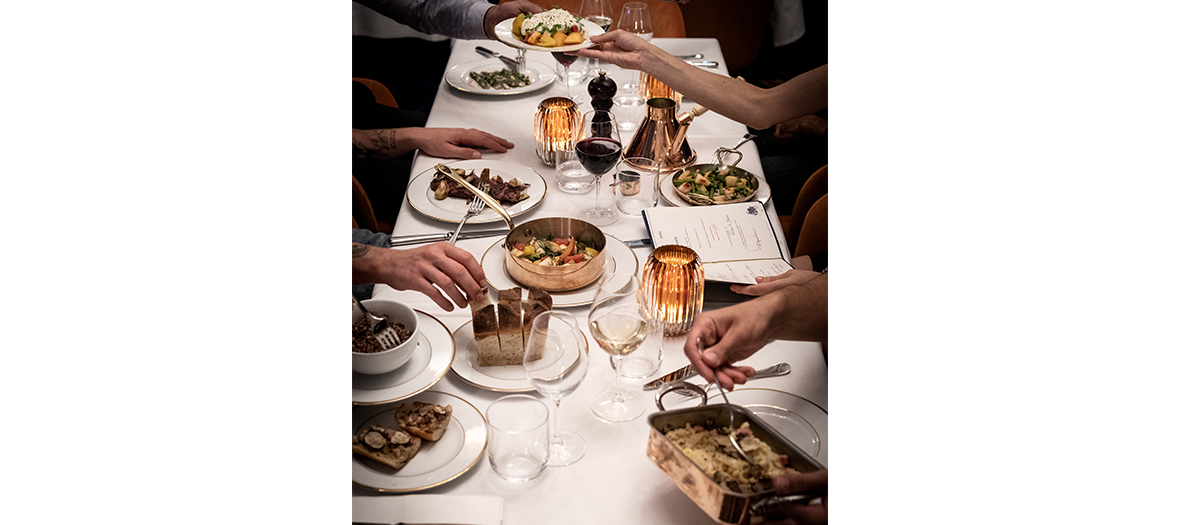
[
  {"x": 598, "y": 149},
  {"x": 565, "y": 61}
]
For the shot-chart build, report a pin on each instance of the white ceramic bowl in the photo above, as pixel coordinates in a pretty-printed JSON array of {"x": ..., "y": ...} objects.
[{"x": 387, "y": 360}]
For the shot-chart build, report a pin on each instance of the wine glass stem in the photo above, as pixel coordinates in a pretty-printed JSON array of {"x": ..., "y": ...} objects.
[
  {"x": 556, "y": 430},
  {"x": 597, "y": 184},
  {"x": 567, "y": 82},
  {"x": 619, "y": 399}
]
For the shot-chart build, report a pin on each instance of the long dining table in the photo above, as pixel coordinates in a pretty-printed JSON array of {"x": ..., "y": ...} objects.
[{"x": 614, "y": 482}]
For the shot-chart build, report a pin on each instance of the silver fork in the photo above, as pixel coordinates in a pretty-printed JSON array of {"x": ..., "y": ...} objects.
[
  {"x": 780, "y": 369},
  {"x": 386, "y": 336},
  {"x": 733, "y": 440},
  {"x": 476, "y": 206}
]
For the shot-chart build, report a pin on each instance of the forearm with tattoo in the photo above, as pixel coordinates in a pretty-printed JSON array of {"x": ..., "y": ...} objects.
[
  {"x": 372, "y": 145},
  {"x": 359, "y": 250}
]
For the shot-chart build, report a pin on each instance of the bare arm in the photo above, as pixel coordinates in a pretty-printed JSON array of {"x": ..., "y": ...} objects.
[
  {"x": 452, "y": 269},
  {"x": 751, "y": 105},
  {"x": 798, "y": 312},
  {"x": 371, "y": 145}
]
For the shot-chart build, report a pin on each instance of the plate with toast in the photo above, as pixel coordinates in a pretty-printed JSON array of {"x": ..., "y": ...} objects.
[
  {"x": 421, "y": 443},
  {"x": 427, "y": 365},
  {"x": 493, "y": 262}
]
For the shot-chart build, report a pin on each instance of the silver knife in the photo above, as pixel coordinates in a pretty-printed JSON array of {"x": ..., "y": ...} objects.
[
  {"x": 687, "y": 57},
  {"x": 637, "y": 243},
  {"x": 703, "y": 63},
  {"x": 676, "y": 375},
  {"x": 406, "y": 240},
  {"x": 780, "y": 369},
  {"x": 492, "y": 54}
]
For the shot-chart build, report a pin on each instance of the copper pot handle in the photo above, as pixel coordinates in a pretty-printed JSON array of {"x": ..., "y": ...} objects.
[{"x": 680, "y": 385}]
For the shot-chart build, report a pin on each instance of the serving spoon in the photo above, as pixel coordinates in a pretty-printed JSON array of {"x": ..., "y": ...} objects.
[{"x": 728, "y": 405}]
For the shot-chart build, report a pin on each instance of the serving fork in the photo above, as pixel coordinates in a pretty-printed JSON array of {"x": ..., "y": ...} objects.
[
  {"x": 386, "y": 336},
  {"x": 476, "y": 206}
]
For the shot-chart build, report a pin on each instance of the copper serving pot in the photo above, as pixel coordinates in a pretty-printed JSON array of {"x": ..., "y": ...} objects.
[
  {"x": 719, "y": 502},
  {"x": 555, "y": 278}
]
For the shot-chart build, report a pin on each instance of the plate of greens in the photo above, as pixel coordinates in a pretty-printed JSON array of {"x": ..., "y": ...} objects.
[{"x": 493, "y": 77}]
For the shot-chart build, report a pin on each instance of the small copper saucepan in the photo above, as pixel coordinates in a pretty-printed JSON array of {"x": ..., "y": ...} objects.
[{"x": 555, "y": 278}]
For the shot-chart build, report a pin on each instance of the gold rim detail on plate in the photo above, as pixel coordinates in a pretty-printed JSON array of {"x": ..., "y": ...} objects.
[
  {"x": 533, "y": 200},
  {"x": 555, "y": 295},
  {"x": 433, "y": 380},
  {"x": 479, "y": 456}
]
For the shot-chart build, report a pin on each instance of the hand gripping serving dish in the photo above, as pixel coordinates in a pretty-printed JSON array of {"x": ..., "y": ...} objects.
[{"x": 689, "y": 446}]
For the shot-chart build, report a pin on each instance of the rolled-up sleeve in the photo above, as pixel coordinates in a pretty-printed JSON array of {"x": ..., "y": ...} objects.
[{"x": 453, "y": 18}]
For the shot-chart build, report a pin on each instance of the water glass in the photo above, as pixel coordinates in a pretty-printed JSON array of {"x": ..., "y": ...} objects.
[
  {"x": 518, "y": 439},
  {"x": 645, "y": 362},
  {"x": 571, "y": 176},
  {"x": 636, "y": 188}
]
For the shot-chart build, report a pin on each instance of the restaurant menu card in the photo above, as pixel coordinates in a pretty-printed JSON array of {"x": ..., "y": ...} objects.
[{"x": 736, "y": 242}]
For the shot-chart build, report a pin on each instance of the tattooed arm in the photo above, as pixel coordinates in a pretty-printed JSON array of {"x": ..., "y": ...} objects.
[
  {"x": 372, "y": 145},
  {"x": 452, "y": 269}
]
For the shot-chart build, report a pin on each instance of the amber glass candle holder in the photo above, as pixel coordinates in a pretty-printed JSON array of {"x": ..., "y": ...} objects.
[
  {"x": 650, "y": 87},
  {"x": 674, "y": 287},
  {"x": 555, "y": 128}
]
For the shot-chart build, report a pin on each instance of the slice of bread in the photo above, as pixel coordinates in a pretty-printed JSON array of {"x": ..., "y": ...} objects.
[
  {"x": 485, "y": 328},
  {"x": 425, "y": 420},
  {"x": 509, "y": 318},
  {"x": 538, "y": 301},
  {"x": 391, "y": 447}
]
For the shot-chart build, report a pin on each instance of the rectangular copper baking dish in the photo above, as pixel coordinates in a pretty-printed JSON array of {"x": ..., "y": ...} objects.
[{"x": 720, "y": 503}]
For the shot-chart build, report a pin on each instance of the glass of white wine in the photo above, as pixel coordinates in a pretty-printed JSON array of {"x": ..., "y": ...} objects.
[
  {"x": 619, "y": 323},
  {"x": 555, "y": 360},
  {"x": 599, "y": 13}
]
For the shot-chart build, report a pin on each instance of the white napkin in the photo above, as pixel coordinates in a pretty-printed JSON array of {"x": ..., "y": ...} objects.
[{"x": 429, "y": 508}]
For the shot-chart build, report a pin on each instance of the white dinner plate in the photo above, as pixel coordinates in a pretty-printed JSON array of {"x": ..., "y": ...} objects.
[
  {"x": 797, "y": 419},
  {"x": 626, "y": 264},
  {"x": 504, "y": 34},
  {"x": 510, "y": 378},
  {"x": 451, "y": 209},
  {"x": 428, "y": 364},
  {"x": 459, "y": 77},
  {"x": 437, "y": 462},
  {"x": 670, "y": 195}
]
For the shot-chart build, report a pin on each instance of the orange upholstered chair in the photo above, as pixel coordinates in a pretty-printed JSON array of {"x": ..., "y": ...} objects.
[{"x": 815, "y": 189}]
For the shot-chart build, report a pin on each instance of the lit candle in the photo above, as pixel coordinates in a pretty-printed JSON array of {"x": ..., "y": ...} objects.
[
  {"x": 555, "y": 127},
  {"x": 674, "y": 287}
]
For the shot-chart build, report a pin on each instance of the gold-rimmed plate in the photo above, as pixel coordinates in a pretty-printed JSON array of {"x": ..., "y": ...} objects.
[
  {"x": 509, "y": 378},
  {"x": 627, "y": 263},
  {"x": 796, "y": 418},
  {"x": 452, "y": 209},
  {"x": 459, "y": 77},
  {"x": 427, "y": 365},
  {"x": 504, "y": 34},
  {"x": 437, "y": 462}
]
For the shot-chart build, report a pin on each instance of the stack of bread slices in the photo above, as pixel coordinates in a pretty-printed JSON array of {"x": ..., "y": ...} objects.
[{"x": 502, "y": 328}]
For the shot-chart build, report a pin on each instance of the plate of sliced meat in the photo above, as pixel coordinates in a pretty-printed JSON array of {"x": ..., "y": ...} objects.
[{"x": 518, "y": 188}]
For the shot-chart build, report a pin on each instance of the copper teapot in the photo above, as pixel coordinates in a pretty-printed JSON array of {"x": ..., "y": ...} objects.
[{"x": 661, "y": 137}]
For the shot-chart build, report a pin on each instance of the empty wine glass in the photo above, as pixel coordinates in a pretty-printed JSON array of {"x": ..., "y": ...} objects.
[
  {"x": 619, "y": 323},
  {"x": 598, "y": 148},
  {"x": 635, "y": 18},
  {"x": 555, "y": 361},
  {"x": 597, "y": 12}
]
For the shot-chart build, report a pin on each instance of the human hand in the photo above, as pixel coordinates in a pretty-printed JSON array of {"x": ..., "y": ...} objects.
[
  {"x": 621, "y": 48},
  {"x": 775, "y": 282},
  {"x": 505, "y": 11},
  {"x": 449, "y": 143},
  {"x": 451, "y": 269},
  {"x": 802, "y": 513},
  {"x": 727, "y": 335}
]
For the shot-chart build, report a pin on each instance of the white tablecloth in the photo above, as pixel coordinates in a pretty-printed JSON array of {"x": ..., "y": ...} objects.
[{"x": 614, "y": 482}]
